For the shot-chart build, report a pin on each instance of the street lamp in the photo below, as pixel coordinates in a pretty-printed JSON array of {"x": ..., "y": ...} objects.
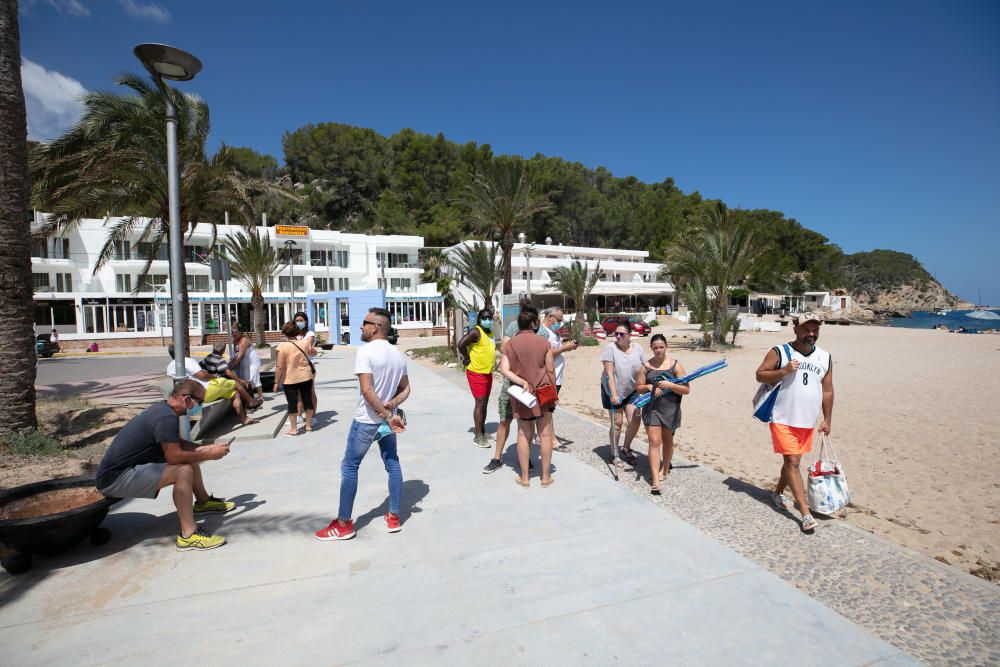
[
  {"x": 289, "y": 247},
  {"x": 527, "y": 257},
  {"x": 166, "y": 62}
]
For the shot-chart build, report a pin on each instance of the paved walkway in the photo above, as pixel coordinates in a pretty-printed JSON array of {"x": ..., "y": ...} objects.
[{"x": 484, "y": 572}]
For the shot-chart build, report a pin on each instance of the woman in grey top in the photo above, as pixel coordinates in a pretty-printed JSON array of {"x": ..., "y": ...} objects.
[
  {"x": 663, "y": 414},
  {"x": 622, "y": 360}
]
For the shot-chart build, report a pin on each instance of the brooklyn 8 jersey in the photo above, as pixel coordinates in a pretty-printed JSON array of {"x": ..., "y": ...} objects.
[{"x": 800, "y": 398}]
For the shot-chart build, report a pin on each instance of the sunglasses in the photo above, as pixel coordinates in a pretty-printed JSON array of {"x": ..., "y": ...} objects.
[
  {"x": 620, "y": 334},
  {"x": 374, "y": 324}
]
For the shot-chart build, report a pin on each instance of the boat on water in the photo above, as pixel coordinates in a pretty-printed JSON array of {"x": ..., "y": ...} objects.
[
  {"x": 943, "y": 313},
  {"x": 983, "y": 315}
]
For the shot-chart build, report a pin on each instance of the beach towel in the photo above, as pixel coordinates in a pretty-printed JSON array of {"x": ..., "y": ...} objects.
[
  {"x": 827, "y": 492},
  {"x": 767, "y": 394}
]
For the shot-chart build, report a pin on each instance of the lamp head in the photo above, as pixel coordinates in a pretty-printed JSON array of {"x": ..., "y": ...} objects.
[{"x": 167, "y": 62}]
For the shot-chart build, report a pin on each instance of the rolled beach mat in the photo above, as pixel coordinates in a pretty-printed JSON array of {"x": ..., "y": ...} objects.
[{"x": 522, "y": 396}]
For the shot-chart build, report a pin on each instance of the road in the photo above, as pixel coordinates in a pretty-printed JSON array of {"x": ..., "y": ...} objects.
[{"x": 77, "y": 369}]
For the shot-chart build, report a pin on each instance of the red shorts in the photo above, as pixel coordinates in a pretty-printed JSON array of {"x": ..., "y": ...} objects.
[
  {"x": 791, "y": 440},
  {"x": 481, "y": 384}
]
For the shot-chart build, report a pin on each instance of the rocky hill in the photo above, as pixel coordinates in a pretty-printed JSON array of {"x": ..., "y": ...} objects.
[
  {"x": 887, "y": 282},
  {"x": 903, "y": 299}
]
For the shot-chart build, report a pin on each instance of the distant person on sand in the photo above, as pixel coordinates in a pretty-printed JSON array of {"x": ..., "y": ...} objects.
[
  {"x": 622, "y": 361},
  {"x": 149, "y": 454},
  {"x": 663, "y": 414},
  {"x": 478, "y": 353},
  {"x": 382, "y": 386},
  {"x": 806, "y": 388}
]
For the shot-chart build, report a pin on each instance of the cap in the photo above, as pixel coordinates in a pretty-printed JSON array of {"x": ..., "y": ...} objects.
[{"x": 808, "y": 316}]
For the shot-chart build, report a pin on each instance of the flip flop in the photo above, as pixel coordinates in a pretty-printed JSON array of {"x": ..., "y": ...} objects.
[
  {"x": 548, "y": 482},
  {"x": 655, "y": 491},
  {"x": 617, "y": 462},
  {"x": 520, "y": 483}
]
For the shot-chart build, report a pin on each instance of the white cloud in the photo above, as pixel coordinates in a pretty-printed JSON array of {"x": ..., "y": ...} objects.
[
  {"x": 71, "y": 7},
  {"x": 148, "y": 11},
  {"x": 52, "y": 100}
]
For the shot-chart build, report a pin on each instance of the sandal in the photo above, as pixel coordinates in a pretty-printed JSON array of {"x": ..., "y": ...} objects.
[
  {"x": 655, "y": 490},
  {"x": 617, "y": 462},
  {"x": 548, "y": 482},
  {"x": 629, "y": 456},
  {"x": 808, "y": 523},
  {"x": 520, "y": 483}
]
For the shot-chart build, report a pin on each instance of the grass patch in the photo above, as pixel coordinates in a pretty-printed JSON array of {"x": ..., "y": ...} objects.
[
  {"x": 439, "y": 354},
  {"x": 589, "y": 342},
  {"x": 32, "y": 442}
]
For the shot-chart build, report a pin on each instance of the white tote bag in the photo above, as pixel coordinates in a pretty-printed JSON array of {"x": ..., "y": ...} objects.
[{"x": 827, "y": 492}]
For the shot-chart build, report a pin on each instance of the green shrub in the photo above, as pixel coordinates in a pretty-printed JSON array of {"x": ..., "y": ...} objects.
[
  {"x": 589, "y": 342},
  {"x": 439, "y": 354},
  {"x": 32, "y": 442},
  {"x": 654, "y": 323}
]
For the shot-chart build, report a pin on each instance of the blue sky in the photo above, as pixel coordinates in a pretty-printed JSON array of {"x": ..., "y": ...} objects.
[{"x": 874, "y": 123}]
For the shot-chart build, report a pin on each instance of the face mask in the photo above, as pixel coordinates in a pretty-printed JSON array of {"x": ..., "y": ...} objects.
[
  {"x": 300, "y": 324},
  {"x": 556, "y": 326},
  {"x": 196, "y": 410},
  {"x": 486, "y": 324}
]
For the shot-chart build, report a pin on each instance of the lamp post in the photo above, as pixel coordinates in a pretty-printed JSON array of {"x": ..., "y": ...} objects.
[
  {"x": 289, "y": 247},
  {"x": 527, "y": 258},
  {"x": 166, "y": 62}
]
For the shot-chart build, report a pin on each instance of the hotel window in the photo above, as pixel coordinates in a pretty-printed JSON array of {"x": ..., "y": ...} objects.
[
  {"x": 270, "y": 284},
  {"x": 122, "y": 251},
  {"x": 196, "y": 253},
  {"x": 343, "y": 284},
  {"x": 525, "y": 275},
  {"x": 152, "y": 282},
  {"x": 321, "y": 284},
  {"x": 320, "y": 258},
  {"x": 300, "y": 284},
  {"x": 197, "y": 283},
  {"x": 381, "y": 283},
  {"x": 615, "y": 277},
  {"x": 343, "y": 258},
  {"x": 123, "y": 282},
  {"x": 148, "y": 249},
  {"x": 60, "y": 249},
  {"x": 400, "y": 285},
  {"x": 40, "y": 249},
  {"x": 40, "y": 282},
  {"x": 64, "y": 282}
]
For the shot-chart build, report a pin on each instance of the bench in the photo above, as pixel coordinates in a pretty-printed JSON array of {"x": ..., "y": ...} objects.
[{"x": 211, "y": 413}]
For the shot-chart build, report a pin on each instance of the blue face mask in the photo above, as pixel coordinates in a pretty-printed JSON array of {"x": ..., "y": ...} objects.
[
  {"x": 196, "y": 410},
  {"x": 301, "y": 325},
  {"x": 486, "y": 324},
  {"x": 556, "y": 326}
]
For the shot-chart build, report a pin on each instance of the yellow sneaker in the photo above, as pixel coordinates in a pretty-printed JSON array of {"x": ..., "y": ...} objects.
[
  {"x": 200, "y": 540},
  {"x": 213, "y": 504}
]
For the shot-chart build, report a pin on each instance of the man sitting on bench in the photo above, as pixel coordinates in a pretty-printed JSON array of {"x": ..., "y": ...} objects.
[
  {"x": 216, "y": 366},
  {"x": 216, "y": 388}
]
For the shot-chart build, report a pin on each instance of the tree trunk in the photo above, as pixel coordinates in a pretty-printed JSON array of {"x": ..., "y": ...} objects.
[
  {"x": 506, "y": 247},
  {"x": 259, "y": 324},
  {"x": 17, "y": 340}
]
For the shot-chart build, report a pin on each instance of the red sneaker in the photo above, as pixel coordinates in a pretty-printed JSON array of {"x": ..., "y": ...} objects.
[
  {"x": 335, "y": 531},
  {"x": 392, "y": 522}
]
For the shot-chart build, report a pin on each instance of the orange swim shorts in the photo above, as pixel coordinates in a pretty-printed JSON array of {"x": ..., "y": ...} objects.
[{"x": 791, "y": 439}]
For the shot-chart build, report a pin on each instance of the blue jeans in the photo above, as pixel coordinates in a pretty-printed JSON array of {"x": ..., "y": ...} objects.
[{"x": 359, "y": 439}]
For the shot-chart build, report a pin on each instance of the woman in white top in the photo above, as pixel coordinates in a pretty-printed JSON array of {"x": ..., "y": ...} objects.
[
  {"x": 302, "y": 322},
  {"x": 244, "y": 360},
  {"x": 622, "y": 361}
]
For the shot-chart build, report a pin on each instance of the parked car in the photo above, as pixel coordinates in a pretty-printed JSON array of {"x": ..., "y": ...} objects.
[
  {"x": 44, "y": 347},
  {"x": 634, "y": 323}
]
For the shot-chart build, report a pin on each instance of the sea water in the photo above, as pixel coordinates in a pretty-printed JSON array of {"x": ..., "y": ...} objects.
[{"x": 953, "y": 320}]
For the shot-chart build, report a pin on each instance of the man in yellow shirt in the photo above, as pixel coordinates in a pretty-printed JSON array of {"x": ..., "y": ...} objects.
[{"x": 479, "y": 356}]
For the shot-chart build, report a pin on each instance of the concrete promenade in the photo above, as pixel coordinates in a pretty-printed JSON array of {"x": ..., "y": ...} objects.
[{"x": 484, "y": 572}]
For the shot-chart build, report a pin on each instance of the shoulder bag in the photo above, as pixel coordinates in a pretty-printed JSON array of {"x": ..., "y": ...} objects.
[{"x": 767, "y": 394}]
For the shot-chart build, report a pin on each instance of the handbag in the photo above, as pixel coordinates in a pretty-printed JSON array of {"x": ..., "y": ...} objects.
[
  {"x": 827, "y": 492},
  {"x": 547, "y": 396},
  {"x": 767, "y": 394}
]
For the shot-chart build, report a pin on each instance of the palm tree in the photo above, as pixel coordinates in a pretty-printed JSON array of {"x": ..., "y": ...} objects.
[
  {"x": 252, "y": 260},
  {"x": 499, "y": 201},
  {"x": 113, "y": 162},
  {"x": 17, "y": 345},
  {"x": 478, "y": 269},
  {"x": 720, "y": 249},
  {"x": 576, "y": 283}
]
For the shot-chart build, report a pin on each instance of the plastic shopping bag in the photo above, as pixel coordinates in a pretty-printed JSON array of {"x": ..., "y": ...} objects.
[{"x": 827, "y": 492}]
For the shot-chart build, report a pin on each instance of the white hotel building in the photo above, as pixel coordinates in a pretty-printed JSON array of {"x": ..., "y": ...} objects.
[
  {"x": 116, "y": 307},
  {"x": 630, "y": 280}
]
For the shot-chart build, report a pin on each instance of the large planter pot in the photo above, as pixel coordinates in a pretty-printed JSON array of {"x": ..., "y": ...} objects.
[
  {"x": 53, "y": 533},
  {"x": 267, "y": 381}
]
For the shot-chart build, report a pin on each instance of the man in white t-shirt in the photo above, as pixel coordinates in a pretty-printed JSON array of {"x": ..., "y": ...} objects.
[
  {"x": 552, "y": 319},
  {"x": 382, "y": 386},
  {"x": 806, "y": 390}
]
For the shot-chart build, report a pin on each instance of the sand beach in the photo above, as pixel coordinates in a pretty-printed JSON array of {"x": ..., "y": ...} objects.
[{"x": 915, "y": 425}]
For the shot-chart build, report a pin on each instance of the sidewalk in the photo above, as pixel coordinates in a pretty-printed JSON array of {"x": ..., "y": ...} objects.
[{"x": 484, "y": 572}]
